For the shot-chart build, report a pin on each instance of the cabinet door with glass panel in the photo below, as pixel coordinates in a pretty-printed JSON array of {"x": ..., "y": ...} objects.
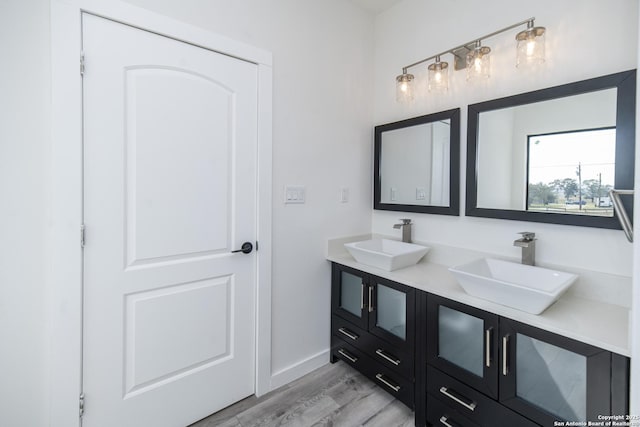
[
  {"x": 384, "y": 308},
  {"x": 350, "y": 295},
  {"x": 548, "y": 377},
  {"x": 462, "y": 341},
  {"x": 391, "y": 309}
]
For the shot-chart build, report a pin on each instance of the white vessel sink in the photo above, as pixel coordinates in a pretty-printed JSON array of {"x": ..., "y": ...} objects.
[
  {"x": 524, "y": 287},
  {"x": 386, "y": 254}
]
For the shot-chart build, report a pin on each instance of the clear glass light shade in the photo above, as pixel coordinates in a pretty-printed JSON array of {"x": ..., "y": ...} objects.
[
  {"x": 438, "y": 78},
  {"x": 479, "y": 63},
  {"x": 530, "y": 48},
  {"x": 404, "y": 87}
]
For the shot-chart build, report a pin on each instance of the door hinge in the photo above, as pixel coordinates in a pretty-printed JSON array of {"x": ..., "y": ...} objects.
[
  {"x": 81, "y": 404},
  {"x": 82, "y": 236},
  {"x": 82, "y": 63}
]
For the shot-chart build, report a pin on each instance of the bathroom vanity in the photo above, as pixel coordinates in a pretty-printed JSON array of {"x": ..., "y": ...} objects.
[{"x": 458, "y": 360}]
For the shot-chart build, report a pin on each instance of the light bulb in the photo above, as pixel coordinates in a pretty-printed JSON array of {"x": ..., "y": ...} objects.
[
  {"x": 477, "y": 64},
  {"x": 404, "y": 85},
  {"x": 531, "y": 47},
  {"x": 438, "y": 77}
]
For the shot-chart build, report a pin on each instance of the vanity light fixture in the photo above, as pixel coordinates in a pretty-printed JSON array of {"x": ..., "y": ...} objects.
[
  {"x": 479, "y": 62},
  {"x": 474, "y": 58},
  {"x": 438, "y": 76},
  {"x": 530, "y": 49},
  {"x": 404, "y": 87}
]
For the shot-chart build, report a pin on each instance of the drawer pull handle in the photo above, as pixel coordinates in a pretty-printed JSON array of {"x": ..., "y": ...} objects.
[
  {"x": 450, "y": 394},
  {"x": 349, "y": 357},
  {"x": 487, "y": 347},
  {"x": 380, "y": 352},
  {"x": 348, "y": 333},
  {"x": 445, "y": 422},
  {"x": 505, "y": 355},
  {"x": 388, "y": 383}
]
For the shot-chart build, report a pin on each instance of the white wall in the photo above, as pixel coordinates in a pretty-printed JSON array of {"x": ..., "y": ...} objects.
[
  {"x": 24, "y": 141},
  {"x": 495, "y": 191},
  {"x": 415, "y": 29}
]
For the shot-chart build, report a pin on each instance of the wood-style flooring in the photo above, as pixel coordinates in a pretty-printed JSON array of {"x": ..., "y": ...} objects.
[{"x": 332, "y": 396}]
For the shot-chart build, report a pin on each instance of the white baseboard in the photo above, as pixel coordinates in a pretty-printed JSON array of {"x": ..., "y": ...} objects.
[{"x": 297, "y": 370}]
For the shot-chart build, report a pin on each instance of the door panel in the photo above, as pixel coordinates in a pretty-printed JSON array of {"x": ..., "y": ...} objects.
[
  {"x": 193, "y": 316},
  {"x": 551, "y": 377},
  {"x": 170, "y": 189},
  {"x": 162, "y": 107},
  {"x": 459, "y": 332}
]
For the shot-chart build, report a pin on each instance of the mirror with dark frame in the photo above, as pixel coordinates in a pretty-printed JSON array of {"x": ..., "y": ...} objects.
[
  {"x": 552, "y": 155},
  {"x": 416, "y": 164}
]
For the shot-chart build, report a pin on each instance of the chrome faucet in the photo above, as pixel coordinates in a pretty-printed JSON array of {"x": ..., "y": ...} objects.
[
  {"x": 406, "y": 229},
  {"x": 528, "y": 245}
]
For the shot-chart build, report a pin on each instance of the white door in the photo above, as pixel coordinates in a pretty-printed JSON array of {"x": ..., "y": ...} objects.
[{"x": 170, "y": 190}]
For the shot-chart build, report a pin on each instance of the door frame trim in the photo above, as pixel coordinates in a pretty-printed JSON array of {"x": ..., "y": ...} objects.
[{"x": 64, "y": 266}]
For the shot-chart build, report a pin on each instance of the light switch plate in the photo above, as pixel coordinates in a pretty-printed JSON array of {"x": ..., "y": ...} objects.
[{"x": 294, "y": 194}]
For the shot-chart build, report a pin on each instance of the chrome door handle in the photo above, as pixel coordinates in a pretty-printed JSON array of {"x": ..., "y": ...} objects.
[
  {"x": 380, "y": 352},
  {"x": 370, "y": 299},
  {"x": 505, "y": 355},
  {"x": 349, "y": 357},
  {"x": 384, "y": 381},
  {"x": 348, "y": 333},
  {"x": 487, "y": 345},
  {"x": 449, "y": 393},
  {"x": 246, "y": 248},
  {"x": 362, "y": 297}
]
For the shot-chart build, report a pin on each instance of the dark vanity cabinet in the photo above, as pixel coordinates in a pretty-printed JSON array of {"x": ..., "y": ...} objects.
[
  {"x": 485, "y": 370},
  {"x": 457, "y": 365},
  {"x": 373, "y": 329}
]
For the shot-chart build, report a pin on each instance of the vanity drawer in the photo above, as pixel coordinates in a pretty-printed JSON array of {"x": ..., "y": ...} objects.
[
  {"x": 470, "y": 403},
  {"x": 396, "y": 385},
  {"x": 440, "y": 415},
  {"x": 387, "y": 379},
  {"x": 389, "y": 357},
  {"x": 350, "y": 355},
  {"x": 377, "y": 349},
  {"x": 349, "y": 332}
]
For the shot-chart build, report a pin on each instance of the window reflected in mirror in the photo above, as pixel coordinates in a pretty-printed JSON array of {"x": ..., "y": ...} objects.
[{"x": 571, "y": 172}]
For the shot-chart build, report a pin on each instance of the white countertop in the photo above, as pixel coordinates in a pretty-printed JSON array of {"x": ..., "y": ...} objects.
[{"x": 601, "y": 324}]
